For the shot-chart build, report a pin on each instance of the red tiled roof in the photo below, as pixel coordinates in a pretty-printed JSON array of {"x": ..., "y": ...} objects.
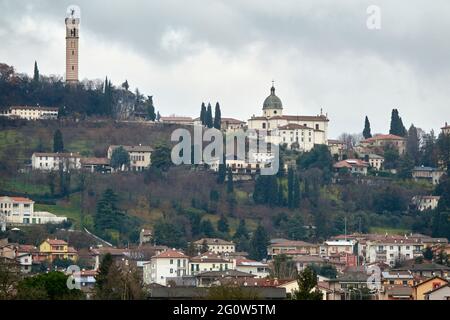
[
  {"x": 56, "y": 242},
  {"x": 209, "y": 257},
  {"x": 171, "y": 254},
  {"x": 384, "y": 137},
  {"x": 350, "y": 163},
  {"x": 71, "y": 250},
  {"x": 18, "y": 199}
]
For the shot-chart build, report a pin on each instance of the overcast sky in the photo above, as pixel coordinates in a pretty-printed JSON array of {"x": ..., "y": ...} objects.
[{"x": 319, "y": 52}]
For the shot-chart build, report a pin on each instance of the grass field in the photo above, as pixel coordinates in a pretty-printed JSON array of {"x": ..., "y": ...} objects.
[{"x": 69, "y": 209}]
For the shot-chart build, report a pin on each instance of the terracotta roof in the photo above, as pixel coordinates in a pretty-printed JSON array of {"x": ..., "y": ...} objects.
[
  {"x": 170, "y": 254},
  {"x": 384, "y": 137},
  {"x": 134, "y": 148},
  {"x": 294, "y": 118},
  {"x": 56, "y": 242},
  {"x": 438, "y": 288},
  {"x": 350, "y": 163},
  {"x": 187, "y": 119},
  {"x": 292, "y": 243},
  {"x": 19, "y": 199},
  {"x": 209, "y": 257},
  {"x": 71, "y": 250},
  {"x": 214, "y": 241},
  {"x": 27, "y": 248},
  {"x": 231, "y": 120},
  {"x": 250, "y": 263},
  {"x": 95, "y": 161},
  {"x": 57, "y": 155},
  {"x": 430, "y": 279}
]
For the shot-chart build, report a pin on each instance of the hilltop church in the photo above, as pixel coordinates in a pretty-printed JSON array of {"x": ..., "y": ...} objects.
[{"x": 296, "y": 132}]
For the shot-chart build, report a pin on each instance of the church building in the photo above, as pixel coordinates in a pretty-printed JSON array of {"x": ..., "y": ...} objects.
[{"x": 295, "y": 132}]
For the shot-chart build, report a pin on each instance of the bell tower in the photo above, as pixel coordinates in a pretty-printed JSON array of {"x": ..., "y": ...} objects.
[{"x": 72, "y": 44}]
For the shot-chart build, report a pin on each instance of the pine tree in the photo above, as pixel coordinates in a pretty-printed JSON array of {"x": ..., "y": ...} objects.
[
  {"x": 217, "y": 117},
  {"x": 209, "y": 117},
  {"x": 36, "y": 76},
  {"x": 367, "y": 131},
  {"x": 203, "y": 114},
  {"x": 397, "y": 127},
  {"x": 58, "y": 143}
]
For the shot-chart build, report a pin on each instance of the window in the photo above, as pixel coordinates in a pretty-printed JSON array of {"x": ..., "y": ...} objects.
[
  {"x": 171, "y": 261},
  {"x": 317, "y": 127},
  {"x": 171, "y": 270}
]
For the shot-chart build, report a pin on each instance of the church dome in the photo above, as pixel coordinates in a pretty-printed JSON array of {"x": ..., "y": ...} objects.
[{"x": 272, "y": 101}]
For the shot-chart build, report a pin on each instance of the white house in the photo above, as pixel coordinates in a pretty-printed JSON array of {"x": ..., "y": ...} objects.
[
  {"x": 140, "y": 156},
  {"x": 168, "y": 264},
  {"x": 208, "y": 261},
  {"x": 354, "y": 166},
  {"x": 31, "y": 113},
  {"x": 330, "y": 248},
  {"x": 424, "y": 203},
  {"x": 215, "y": 245},
  {"x": 257, "y": 268},
  {"x": 53, "y": 161},
  {"x": 439, "y": 293},
  {"x": 390, "y": 251},
  {"x": 18, "y": 211}
]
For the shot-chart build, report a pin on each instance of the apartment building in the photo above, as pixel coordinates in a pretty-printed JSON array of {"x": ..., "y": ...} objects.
[{"x": 55, "y": 161}]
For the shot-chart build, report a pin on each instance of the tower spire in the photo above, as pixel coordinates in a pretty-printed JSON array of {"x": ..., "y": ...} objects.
[{"x": 272, "y": 90}]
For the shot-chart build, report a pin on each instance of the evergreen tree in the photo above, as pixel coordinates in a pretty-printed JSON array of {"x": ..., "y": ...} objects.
[
  {"x": 230, "y": 184},
  {"x": 259, "y": 243},
  {"x": 150, "y": 108},
  {"x": 217, "y": 117},
  {"x": 429, "y": 152},
  {"x": 412, "y": 145},
  {"x": 161, "y": 157},
  {"x": 204, "y": 247},
  {"x": 222, "y": 224},
  {"x": 207, "y": 229},
  {"x": 241, "y": 237},
  {"x": 367, "y": 131},
  {"x": 443, "y": 148},
  {"x": 307, "y": 281},
  {"x": 58, "y": 142},
  {"x": 158, "y": 116},
  {"x": 36, "y": 76},
  {"x": 397, "y": 127},
  {"x": 120, "y": 159},
  {"x": 222, "y": 173},
  {"x": 281, "y": 200},
  {"x": 108, "y": 216},
  {"x": 209, "y": 117},
  {"x": 101, "y": 278},
  {"x": 125, "y": 85},
  {"x": 203, "y": 114}
]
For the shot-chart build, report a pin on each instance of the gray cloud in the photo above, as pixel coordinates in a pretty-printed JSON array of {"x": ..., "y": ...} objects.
[{"x": 319, "y": 51}]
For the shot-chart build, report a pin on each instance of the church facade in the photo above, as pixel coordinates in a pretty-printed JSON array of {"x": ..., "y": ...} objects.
[{"x": 295, "y": 132}]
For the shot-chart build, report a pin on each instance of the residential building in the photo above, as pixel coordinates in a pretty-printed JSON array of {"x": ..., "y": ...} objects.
[
  {"x": 140, "y": 156},
  {"x": 375, "y": 161},
  {"x": 289, "y": 247},
  {"x": 424, "y": 269},
  {"x": 257, "y": 268},
  {"x": 399, "y": 278},
  {"x": 20, "y": 211},
  {"x": 30, "y": 113},
  {"x": 425, "y": 203},
  {"x": 380, "y": 141},
  {"x": 396, "y": 292},
  {"x": 168, "y": 264},
  {"x": 145, "y": 236},
  {"x": 303, "y": 261},
  {"x": 226, "y": 277},
  {"x": 218, "y": 246},
  {"x": 55, "y": 161},
  {"x": 232, "y": 125},
  {"x": 208, "y": 261},
  {"x": 57, "y": 249},
  {"x": 102, "y": 165},
  {"x": 330, "y": 248},
  {"x": 337, "y": 148},
  {"x": 423, "y": 289},
  {"x": 354, "y": 166},
  {"x": 391, "y": 251},
  {"x": 440, "y": 293},
  {"x": 285, "y": 129},
  {"x": 429, "y": 174}
]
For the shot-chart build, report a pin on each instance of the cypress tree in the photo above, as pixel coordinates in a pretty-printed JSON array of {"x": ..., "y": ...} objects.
[
  {"x": 412, "y": 144},
  {"x": 36, "y": 72},
  {"x": 209, "y": 117},
  {"x": 397, "y": 127},
  {"x": 58, "y": 143},
  {"x": 222, "y": 224},
  {"x": 296, "y": 193},
  {"x": 258, "y": 244},
  {"x": 217, "y": 117},
  {"x": 203, "y": 114},
  {"x": 367, "y": 131},
  {"x": 222, "y": 172}
]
